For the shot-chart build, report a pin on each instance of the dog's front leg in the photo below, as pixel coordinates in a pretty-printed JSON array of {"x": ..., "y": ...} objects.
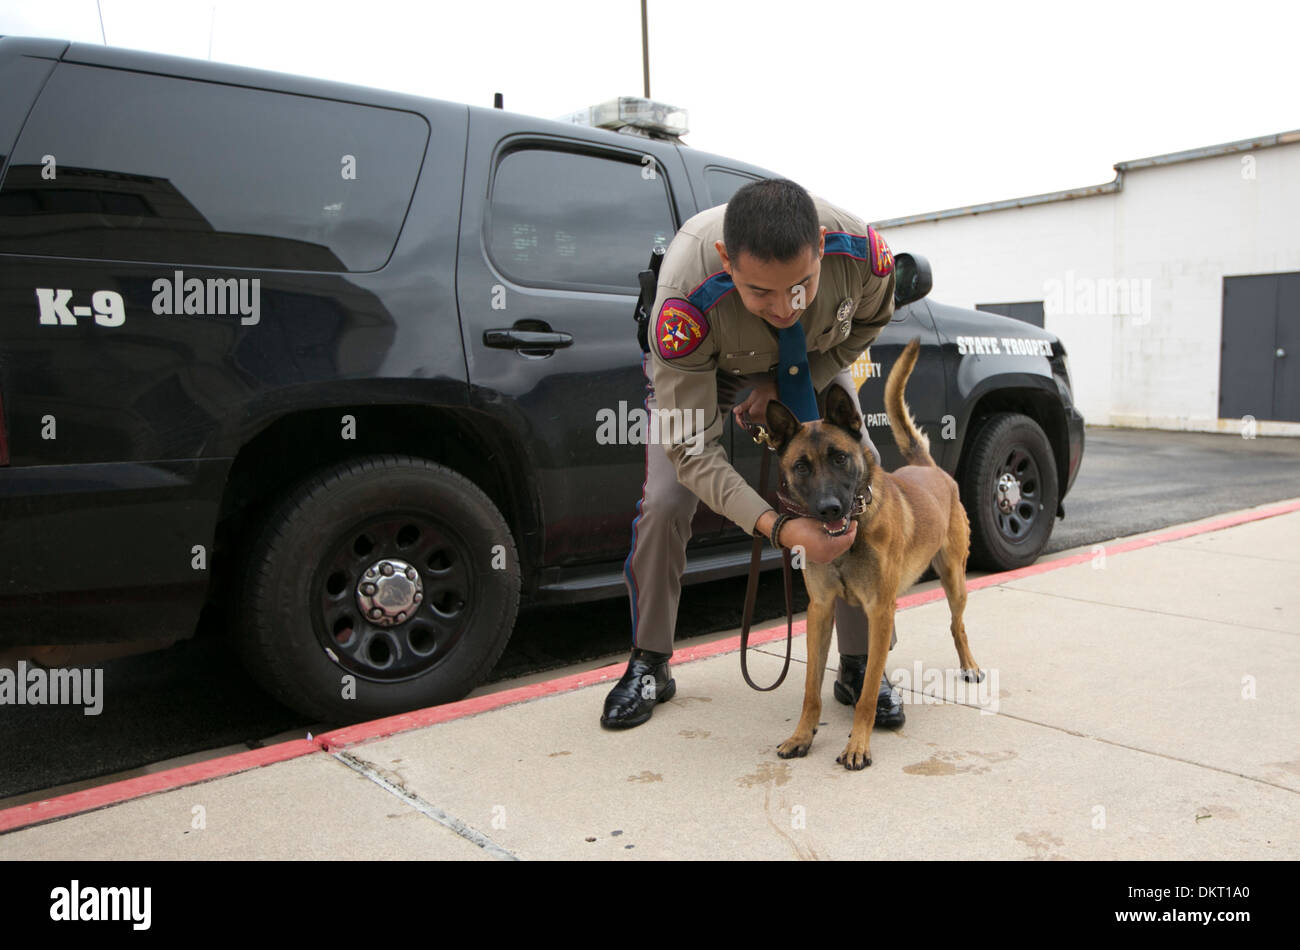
[
  {"x": 820, "y": 618},
  {"x": 880, "y": 619}
]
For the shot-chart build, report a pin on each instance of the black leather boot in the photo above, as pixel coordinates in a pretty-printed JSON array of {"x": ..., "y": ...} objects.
[
  {"x": 633, "y": 700},
  {"x": 848, "y": 687}
]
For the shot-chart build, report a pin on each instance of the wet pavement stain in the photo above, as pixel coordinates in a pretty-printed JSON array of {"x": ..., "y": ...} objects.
[
  {"x": 950, "y": 763},
  {"x": 1041, "y": 844},
  {"x": 801, "y": 853},
  {"x": 769, "y": 773},
  {"x": 931, "y": 766}
]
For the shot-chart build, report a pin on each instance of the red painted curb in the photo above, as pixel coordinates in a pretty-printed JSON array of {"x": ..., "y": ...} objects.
[
  {"x": 91, "y": 799},
  {"x": 94, "y": 798}
]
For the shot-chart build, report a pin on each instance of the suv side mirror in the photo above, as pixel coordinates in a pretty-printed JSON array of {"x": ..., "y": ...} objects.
[{"x": 912, "y": 278}]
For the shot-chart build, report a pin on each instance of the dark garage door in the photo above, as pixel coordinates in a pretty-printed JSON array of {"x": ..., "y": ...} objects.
[{"x": 1259, "y": 364}]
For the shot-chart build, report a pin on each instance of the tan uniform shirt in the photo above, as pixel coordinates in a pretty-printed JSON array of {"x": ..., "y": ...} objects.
[{"x": 699, "y": 326}]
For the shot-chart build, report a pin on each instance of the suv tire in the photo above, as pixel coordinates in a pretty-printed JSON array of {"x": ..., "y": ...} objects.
[
  {"x": 423, "y": 627},
  {"x": 1009, "y": 488}
]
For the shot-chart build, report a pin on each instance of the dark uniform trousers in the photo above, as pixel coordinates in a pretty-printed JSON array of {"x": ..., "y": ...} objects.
[{"x": 657, "y": 560}]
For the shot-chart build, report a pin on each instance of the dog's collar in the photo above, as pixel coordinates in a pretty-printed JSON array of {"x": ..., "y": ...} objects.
[
  {"x": 761, "y": 436},
  {"x": 860, "y": 502}
]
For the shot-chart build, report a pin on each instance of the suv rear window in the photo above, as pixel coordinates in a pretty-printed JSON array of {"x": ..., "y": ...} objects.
[{"x": 153, "y": 168}]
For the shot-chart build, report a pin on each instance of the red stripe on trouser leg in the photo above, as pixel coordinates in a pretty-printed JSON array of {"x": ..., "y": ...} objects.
[{"x": 629, "y": 579}]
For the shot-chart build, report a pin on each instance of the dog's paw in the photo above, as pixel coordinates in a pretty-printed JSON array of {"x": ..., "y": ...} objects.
[
  {"x": 973, "y": 676},
  {"x": 796, "y": 747},
  {"x": 856, "y": 755}
]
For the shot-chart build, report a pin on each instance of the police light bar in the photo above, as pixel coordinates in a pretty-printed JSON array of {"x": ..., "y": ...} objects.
[{"x": 634, "y": 111}]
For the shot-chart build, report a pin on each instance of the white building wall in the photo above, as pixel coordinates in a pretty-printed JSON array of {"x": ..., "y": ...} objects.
[{"x": 1132, "y": 280}]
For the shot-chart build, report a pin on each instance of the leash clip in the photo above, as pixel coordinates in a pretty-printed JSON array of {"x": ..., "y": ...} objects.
[
  {"x": 758, "y": 432},
  {"x": 860, "y": 503}
]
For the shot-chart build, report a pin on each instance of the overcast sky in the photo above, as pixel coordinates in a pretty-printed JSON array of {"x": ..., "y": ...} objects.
[{"x": 884, "y": 108}]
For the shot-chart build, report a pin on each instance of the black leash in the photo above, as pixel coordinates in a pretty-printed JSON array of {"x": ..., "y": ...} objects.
[{"x": 759, "y": 434}]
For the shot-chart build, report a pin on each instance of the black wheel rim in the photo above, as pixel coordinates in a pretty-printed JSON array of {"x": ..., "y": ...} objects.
[
  {"x": 409, "y": 648},
  {"x": 1017, "y": 495}
]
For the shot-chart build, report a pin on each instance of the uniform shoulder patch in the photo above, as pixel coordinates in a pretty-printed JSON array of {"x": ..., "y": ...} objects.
[
  {"x": 882, "y": 261},
  {"x": 679, "y": 329}
]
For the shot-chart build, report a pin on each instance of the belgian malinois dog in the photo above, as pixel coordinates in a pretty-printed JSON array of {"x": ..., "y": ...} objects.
[{"x": 909, "y": 519}]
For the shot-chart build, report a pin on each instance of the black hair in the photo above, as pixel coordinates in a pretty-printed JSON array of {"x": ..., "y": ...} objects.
[{"x": 773, "y": 219}]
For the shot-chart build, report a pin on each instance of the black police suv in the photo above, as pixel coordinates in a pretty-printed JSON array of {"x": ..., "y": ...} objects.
[{"x": 332, "y": 363}]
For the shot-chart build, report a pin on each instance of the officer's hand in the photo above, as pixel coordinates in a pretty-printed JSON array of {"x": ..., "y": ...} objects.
[
  {"x": 754, "y": 408},
  {"x": 818, "y": 546}
]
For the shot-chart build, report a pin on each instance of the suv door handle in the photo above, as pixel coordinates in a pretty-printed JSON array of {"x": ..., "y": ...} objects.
[{"x": 512, "y": 339}]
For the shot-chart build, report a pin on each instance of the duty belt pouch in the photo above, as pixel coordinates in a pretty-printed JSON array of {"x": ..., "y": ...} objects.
[{"x": 649, "y": 281}]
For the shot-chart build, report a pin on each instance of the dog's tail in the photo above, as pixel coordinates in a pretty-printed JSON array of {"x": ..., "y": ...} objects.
[{"x": 912, "y": 443}]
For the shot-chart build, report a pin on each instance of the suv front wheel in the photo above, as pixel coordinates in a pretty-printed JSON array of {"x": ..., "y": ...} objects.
[
  {"x": 1010, "y": 490},
  {"x": 380, "y": 584}
]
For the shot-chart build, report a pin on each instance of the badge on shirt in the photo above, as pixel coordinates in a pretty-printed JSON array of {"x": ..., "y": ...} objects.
[
  {"x": 844, "y": 316},
  {"x": 679, "y": 329},
  {"x": 882, "y": 261}
]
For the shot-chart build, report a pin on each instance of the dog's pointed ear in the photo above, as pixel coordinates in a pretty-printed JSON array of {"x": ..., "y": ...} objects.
[
  {"x": 781, "y": 424},
  {"x": 841, "y": 411}
]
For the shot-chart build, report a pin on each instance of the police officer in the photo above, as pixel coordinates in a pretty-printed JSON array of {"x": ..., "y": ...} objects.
[{"x": 774, "y": 291}]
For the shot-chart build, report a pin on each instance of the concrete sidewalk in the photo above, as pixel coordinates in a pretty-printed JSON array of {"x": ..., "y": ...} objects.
[{"x": 1144, "y": 708}]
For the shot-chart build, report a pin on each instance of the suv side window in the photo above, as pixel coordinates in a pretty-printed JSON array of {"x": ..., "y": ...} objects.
[
  {"x": 117, "y": 165},
  {"x": 568, "y": 219},
  {"x": 723, "y": 183}
]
